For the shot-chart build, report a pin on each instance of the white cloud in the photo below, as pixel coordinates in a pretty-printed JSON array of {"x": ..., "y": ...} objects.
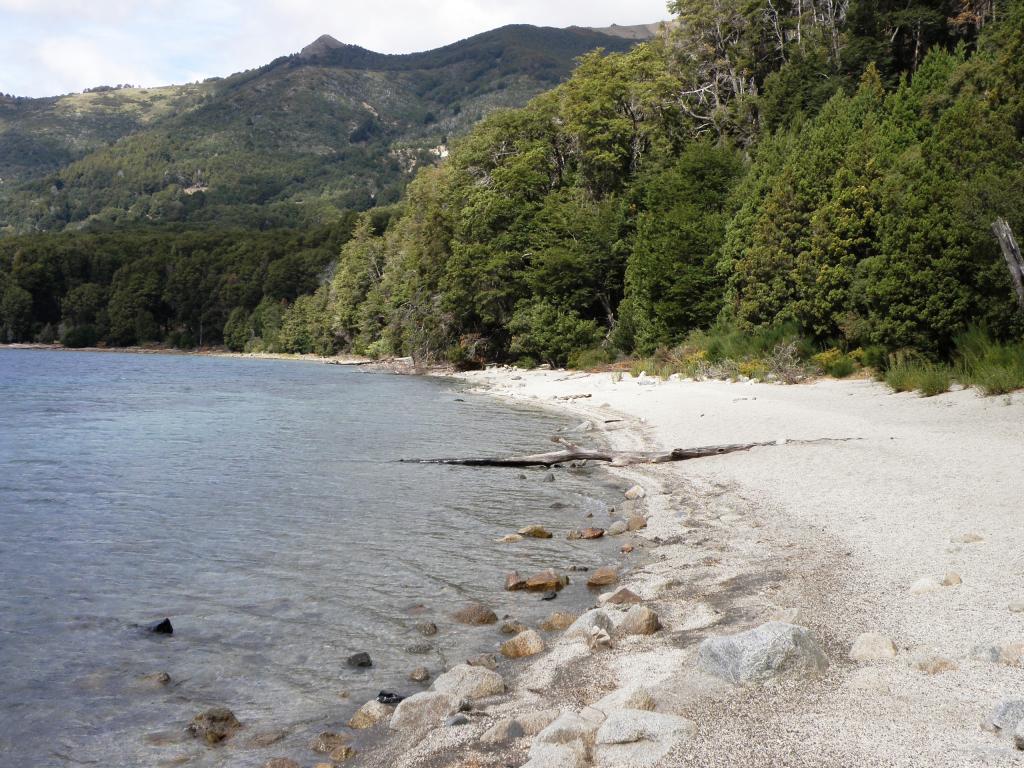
[{"x": 56, "y": 46}]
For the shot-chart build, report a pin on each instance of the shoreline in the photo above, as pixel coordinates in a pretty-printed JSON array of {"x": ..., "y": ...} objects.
[{"x": 831, "y": 537}]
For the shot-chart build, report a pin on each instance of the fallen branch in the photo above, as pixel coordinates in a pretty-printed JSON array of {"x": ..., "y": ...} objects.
[
  {"x": 1011, "y": 253},
  {"x": 572, "y": 452}
]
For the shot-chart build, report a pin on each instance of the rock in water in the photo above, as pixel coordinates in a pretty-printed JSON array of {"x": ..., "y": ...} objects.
[
  {"x": 157, "y": 679},
  {"x": 328, "y": 742},
  {"x": 419, "y": 675},
  {"x": 512, "y": 627},
  {"x": 558, "y": 621},
  {"x": 639, "y": 620},
  {"x": 214, "y": 725},
  {"x": 471, "y": 683},
  {"x": 771, "y": 650},
  {"x": 546, "y": 581},
  {"x": 341, "y": 754},
  {"x": 427, "y": 628},
  {"x": 162, "y": 628},
  {"x": 535, "y": 532},
  {"x": 528, "y": 643},
  {"x": 486, "y": 660},
  {"x": 281, "y": 762},
  {"x": 514, "y": 582},
  {"x": 391, "y": 699},
  {"x": 368, "y": 715},
  {"x": 359, "y": 660},
  {"x": 603, "y": 577},
  {"x": 636, "y": 522},
  {"x": 476, "y": 614},
  {"x": 872, "y": 646},
  {"x": 589, "y": 534},
  {"x": 618, "y": 528}
]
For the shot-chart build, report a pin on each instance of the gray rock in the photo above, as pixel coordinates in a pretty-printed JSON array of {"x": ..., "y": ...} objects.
[
  {"x": 423, "y": 711},
  {"x": 567, "y": 728},
  {"x": 419, "y": 675},
  {"x": 485, "y": 660},
  {"x": 636, "y": 492},
  {"x": 639, "y": 620},
  {"x": 1018, "y": 736},
  {"x": 475, "y": 614},
  {"x": 872, "y": 646},
  {"x": 771, "y": 650},
  {"x": 638, "y": 739},
  {"x": 328, "y": 741},
  {"x": 281, "y": 762},
  {"x": 536, "y": 721},
  {"x": 419, "y": 649},
  {"x": 583, "y": 626},
  {"x": 456, "y": 720},
  {"x": 427, "y": 628},
  {"x": 361, "y": 659},
  {"x": 618, "y": 528},
  {"x": 1006, "y": 716},
  {"x": 549, "y": 477},
  {"x": 573, "y": 755},
  {"x": 471, "y": 683},
  {"x": 503, "y": 731}
]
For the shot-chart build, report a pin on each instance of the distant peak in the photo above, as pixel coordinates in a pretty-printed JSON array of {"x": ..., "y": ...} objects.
[{"x": 321, "y": 45}]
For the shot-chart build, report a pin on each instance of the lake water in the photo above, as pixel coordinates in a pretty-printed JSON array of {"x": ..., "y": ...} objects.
[{"x": 258, "y": 504}]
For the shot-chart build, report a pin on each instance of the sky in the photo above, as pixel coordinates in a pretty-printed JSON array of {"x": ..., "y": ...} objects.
[{"x": 50, "y": 47}]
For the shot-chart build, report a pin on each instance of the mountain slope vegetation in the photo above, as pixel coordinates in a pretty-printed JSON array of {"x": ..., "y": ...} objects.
[{"x": 295, "y": 142}]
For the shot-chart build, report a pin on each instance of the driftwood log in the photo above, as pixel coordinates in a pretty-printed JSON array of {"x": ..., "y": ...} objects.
[
  {"x": 571, "y": 452},
  {"x": 1011, "y": 252}
]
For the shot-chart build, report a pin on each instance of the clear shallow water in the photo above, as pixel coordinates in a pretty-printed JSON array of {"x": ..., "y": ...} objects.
[{"x": 258, "y": 504}]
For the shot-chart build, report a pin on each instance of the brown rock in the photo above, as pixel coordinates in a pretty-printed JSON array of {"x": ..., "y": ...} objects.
[
  {"x": 485, "y": 660},
  {"x": 528, "y": 643},
  {"x": 592, "y": 533},
  {"x": 267, "y": 739},
  {"x": 535, "y": 532},
  {"x": 603, "y": 577},
  {"x": 327, "y": 742},
  {"x": 368, "y": 715},
  {"x": 625, "y": 596},
  {"x": 475, "y": 614},
  {"x": 281, "y": 762},
  {"x": 636, "y": 522},
  {"x": 513, "y": 627},
  {"x": 157, "y": 679},
  {"x": 639, "y": 620},
  {"x": 558, "y": 621},
  {"x": 427, "y": 628},
  {"x": 510, "y": 538},
  {"x": 626, "y": 548},
  {"x": 419, "y": 675},
  {"x": 546, "y": 581},
  {"x": 342, "y": 753},
  {"x": 514, "y": 582},
  {"x": 214, "y": 725}
]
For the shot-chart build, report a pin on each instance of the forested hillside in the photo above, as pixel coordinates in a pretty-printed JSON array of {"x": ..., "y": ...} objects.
[
  {"x": 821, "y": 171},
  {"x": 333, "y": 128}
]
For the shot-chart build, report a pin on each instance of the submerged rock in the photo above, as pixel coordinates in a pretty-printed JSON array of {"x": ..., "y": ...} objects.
[
  {"x": 161, "y": 627},
  {"x": 618, "y": 528},
  {"x": 512, "y": 627},
  {"x": 359, "y": 660},
  {"x": 485, "y": 660},
  {"x": 419, "y": 675},
  {"x": 156, "y": 679},
  {"x": 771, "y": 650},
  {"x": 214, "y": 725},
  {"x": 636, "y": 523},
  {"x": 535, "y": 532},
  {"x": 281, "y": 762},
  {"x": 475, "y": 614},
  {"x": 514, "y": 582},
  {"x": 510, "y": 538},
  {"x": 427, "y": 628},
  {"x": 558, "y": 621},
  {"x": 589, "y": 534},
  {"x": 528, "y": 643},
  {"x": 328, "y": 741},
  {"x": 636, "y": 492}
]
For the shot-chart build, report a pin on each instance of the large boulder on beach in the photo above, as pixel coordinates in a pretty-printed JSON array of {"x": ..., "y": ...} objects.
[
  {"x": 214, "y": 725},
  {"x": 771, "y": 650},
  {"x": 1006, "y": 716},
  {"x": 423, "y": 711},
  {"x": 371, "y": 713},
  {"x": 475, "y": 614},
  {"x": 528, "y": 643},
  {"x": 639, "y": 738},
  {"x": 471, "y": 683}
]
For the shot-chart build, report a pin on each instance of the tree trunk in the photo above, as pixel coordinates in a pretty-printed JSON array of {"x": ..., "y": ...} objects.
[{"x": 1011, "y": 252}]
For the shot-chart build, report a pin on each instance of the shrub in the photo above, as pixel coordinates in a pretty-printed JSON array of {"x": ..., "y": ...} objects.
[
  {"x": 907, "y": 373},
  {"x": 993, "y": 367},
  {"x": 543, "y": 331},
  {"x": 80, "y": 336},
  {"x": 588, "y": 359},
  {"x": 842, "y": 367}
]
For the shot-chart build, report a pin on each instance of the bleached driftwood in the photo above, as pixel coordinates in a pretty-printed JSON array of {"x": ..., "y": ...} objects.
[
  {"x": 572, "y": 452},
  {"x": 1011, "y": 252}
]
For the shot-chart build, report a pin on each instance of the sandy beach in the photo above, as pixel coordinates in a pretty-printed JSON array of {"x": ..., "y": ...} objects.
[{"x": 907, "y": 525}]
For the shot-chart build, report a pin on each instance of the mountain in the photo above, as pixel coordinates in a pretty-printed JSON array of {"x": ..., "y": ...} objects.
[{"x": 294, "y": 142}]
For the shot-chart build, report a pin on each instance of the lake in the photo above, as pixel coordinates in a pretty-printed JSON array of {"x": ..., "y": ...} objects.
[{"x": 260, "y": 506}]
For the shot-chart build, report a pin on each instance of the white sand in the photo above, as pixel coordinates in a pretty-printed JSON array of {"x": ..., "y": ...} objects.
[{"x": 839, "y": 530}]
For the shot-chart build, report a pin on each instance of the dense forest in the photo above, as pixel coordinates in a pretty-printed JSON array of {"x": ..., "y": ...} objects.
[{"x": 823, "y": 173}]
